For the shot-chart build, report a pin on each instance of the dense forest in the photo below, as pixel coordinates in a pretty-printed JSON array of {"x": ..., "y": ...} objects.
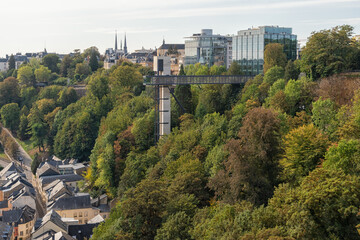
[{"x": 277, "y": 158}]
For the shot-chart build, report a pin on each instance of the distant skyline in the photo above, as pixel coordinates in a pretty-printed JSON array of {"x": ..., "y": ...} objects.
[{"x": 62, "y": 26}]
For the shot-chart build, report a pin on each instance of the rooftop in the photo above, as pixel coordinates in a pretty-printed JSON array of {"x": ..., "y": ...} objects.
[{"x": 73, "y": 202}]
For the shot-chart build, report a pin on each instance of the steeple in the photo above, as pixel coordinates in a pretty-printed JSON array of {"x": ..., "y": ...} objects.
[
  {"x": 163, "y": 41},
  {"x": 116, "y": 40},
  {"x": 121, "y": 45},
  {"x": 125, "y": 47}
]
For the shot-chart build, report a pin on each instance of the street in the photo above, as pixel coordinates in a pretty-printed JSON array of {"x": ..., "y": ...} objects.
[{"x": 26, "y": 165}]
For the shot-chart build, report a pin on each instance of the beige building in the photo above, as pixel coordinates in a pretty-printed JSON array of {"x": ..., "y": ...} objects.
[
  {"x": 176, "y": 52},
  {"x": 78, "y": 207}
]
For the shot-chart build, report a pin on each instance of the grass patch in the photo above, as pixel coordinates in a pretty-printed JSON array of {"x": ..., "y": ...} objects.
[{"x": 27, "y": 145}]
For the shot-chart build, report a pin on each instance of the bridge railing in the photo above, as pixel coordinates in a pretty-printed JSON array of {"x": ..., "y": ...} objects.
[{"x": 203, "y": 79}]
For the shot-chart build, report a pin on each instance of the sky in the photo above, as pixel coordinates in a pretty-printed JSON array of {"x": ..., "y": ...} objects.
[{"x": 64, "y": 25}]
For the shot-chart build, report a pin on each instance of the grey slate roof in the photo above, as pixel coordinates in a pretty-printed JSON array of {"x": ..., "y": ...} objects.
[
  {"x": 53, "y": 217},
  {"x": 22, "y": 215},
  {"x": 74, "y": 202},
  {"x": 66, "y": 178},
  {"x": 47, "y": 169},
  {"x": 173, "y": 46},
  {"x": 57, "y": 188},
  {"x": 9, "y": 169},
  {"x": 82, "y": 231},
  {"x": 12, "y": 215}
]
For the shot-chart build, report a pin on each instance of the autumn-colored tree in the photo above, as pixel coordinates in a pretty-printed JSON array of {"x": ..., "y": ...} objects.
[
  {"x": 339, "y": 88},
  {"x": 252, "y": 167},
  {"x": 26, "y": 76},
  {"x": 304, "y": 147},
  {"x": 324, "y": 206},
  {"x": 274, "y": 56},
  {"x": 42, "y": 74}
]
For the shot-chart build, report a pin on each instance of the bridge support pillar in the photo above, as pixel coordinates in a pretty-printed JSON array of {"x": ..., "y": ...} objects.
[{"x": 164, "y": 111}]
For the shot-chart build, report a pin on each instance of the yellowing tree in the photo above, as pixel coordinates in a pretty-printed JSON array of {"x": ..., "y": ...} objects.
[
  {"x": 274, "y": 56},
  {"x": 304, "y": 147}
]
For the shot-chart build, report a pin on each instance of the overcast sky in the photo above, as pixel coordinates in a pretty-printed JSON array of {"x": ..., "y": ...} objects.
[{"x": 65, "y": 25}]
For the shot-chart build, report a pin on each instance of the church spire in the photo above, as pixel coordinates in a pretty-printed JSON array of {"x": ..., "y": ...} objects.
[
  {"x": 116, "y": 40},
  {"x": 125, "y": 46},
  {"x": 163, "y": 40}
]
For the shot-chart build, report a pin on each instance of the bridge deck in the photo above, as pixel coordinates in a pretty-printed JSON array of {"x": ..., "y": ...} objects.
[{"x": 203, "y": 79}]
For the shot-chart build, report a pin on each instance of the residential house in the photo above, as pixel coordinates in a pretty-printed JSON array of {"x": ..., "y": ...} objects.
[
  {"x": 49, "y": 225},
  {"x": 22, "y": 220},
  {"x": 78, "y": 207}
]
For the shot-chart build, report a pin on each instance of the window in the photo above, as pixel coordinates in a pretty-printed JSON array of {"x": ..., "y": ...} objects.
[
  {"x": 80, "y": 214},
  {"x": 80, "y": 221},
  {"x": 21, "y": 233},
  {"x": 75, "y": 214},
  {"x": 85, "y": 214}
]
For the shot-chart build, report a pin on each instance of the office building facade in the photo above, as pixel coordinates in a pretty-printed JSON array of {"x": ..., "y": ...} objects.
[
  {"x": 249, "y": 45},
  {"x": 207, "y": 48}
]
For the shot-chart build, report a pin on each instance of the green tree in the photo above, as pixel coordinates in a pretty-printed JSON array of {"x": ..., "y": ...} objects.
[
  {"x": 125, "y": 77},
  {"x": 38, "y": 128},
  {"x": 273, "y": 74},
  {"x": 65, "y": 65},
  {"x": 93, "y": 62},
  {"x": 324, "y": 206},
  {"x": 23, "y": 128},
  {"x": 99, "y": 86},
  {"x": 9, "y": 91},
  {"x": 234, "y": 69},
  {"x": 274, "y": 56},
  {"x": 345, "y": 156},
  {"x": 291, "y": 71},
  {"x": 82, "y": 71},
  {"x": 87, "y": 52},
  {"x": 42, "y": 74},
  {"x": 324, "y": 115},
  {"x": 26, "y": 76},
  {"x": 28, "y": 96},
  {"x": 12, "y": 62},
  {"x": 51, "y": 62},
  {"x": 304, "y": 147},
  {"x": 10, "y": 115},
  {"x": 66, "y": 97},
  {"x": 177, "y": 226},
  {"x": 328, "y": 52}
]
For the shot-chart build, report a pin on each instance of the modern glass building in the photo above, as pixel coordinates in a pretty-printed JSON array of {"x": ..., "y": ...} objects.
[
  {"x": 207, "y": 49},
  {"x": 248, "y": 46}
]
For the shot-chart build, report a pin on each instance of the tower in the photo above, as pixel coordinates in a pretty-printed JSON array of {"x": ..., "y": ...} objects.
[
  {"x": 121, "y": 45},
  {"x": 125, "y": 46},
  {"x": 116, "y": 41}
]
